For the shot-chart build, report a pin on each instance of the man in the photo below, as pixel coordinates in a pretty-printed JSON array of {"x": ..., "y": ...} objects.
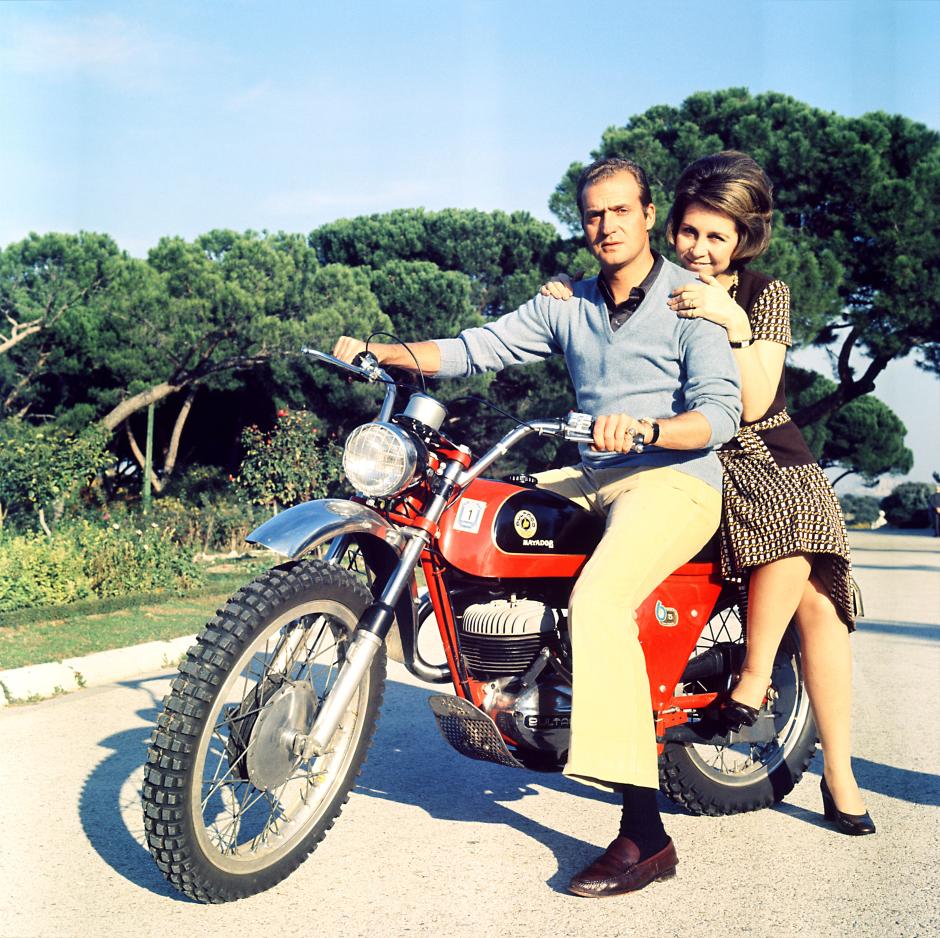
[{"x": 629, "y": 356}]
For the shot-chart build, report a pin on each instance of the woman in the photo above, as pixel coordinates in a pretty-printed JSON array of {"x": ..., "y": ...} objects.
[{"x": 782, "y": 529}]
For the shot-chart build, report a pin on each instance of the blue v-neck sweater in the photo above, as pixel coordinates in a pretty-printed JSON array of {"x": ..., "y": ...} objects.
[{"x": 655, "y": 365}]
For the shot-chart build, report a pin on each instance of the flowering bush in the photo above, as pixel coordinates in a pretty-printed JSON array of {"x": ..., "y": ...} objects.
[
  {"x": 209, "y": 523},
  {"x": 290, "y": 464}
]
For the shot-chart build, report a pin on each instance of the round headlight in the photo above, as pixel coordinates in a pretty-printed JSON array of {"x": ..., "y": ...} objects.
[{"x": 380, "y": 459}]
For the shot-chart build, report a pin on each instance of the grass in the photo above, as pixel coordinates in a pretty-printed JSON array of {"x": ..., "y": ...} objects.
[{"x": 37, "y": 636}]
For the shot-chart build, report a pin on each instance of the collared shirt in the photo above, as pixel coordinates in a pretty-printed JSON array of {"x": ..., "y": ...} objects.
[{"x": 619, "y": 313}]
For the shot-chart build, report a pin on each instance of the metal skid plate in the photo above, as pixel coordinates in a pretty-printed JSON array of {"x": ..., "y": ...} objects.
[{"x": 470, "y": 731}]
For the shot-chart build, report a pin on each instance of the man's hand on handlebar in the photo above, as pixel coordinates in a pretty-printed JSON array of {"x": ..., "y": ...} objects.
[
  {"x": 347, "y": 348},
  {"x": 412, "y": 356},
  {"x": 618, "y": 433}
]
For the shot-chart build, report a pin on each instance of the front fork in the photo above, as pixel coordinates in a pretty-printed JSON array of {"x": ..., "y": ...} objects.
[{"x": 374, "y": 625}]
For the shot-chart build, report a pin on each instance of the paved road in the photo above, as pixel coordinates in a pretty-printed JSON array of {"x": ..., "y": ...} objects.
[{"x": 433, "y": 844}]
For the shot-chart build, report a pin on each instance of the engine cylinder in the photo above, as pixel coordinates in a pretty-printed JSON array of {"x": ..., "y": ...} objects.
[{"x": 502, "y": 637}]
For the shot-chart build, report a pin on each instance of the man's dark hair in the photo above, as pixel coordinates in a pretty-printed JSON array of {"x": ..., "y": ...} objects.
[{"x": 610, "y": 166}]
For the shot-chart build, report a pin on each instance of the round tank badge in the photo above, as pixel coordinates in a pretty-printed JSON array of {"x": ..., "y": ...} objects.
[{"x": 525, "y": 524}]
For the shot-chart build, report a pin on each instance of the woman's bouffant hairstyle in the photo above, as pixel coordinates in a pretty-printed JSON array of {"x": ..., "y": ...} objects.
[{"x": 729, "y": 182}]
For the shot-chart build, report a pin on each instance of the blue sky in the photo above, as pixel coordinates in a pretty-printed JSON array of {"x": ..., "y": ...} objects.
[{"x": 148, "y": 119}]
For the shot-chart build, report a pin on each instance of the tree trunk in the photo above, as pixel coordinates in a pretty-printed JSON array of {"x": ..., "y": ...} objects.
[
  {"x": 131, "y": 405},
  {"x": 849, "y": 388},
  {"x": 169, "y": 463},
  {"x": 139, "y": 456},
  {"x": 848, "y": 472},
  {"x": 19, "y": 331}
]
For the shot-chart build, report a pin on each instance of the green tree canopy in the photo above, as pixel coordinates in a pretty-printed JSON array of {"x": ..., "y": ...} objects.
[
  {"x": 858, "y": 204},
  {"x": 865, "y": 436},
  {"x": 422, "y": 300},
  {"x": 504, "y": 255},
  {"x": 228, "y": 302},
  {"x": 51, "y": 287}
]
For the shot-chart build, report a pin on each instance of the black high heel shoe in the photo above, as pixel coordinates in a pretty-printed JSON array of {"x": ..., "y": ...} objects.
[
  {"x": 855, "y": 824},
  {"x": 727, "y": 715},
  {"x": 731, "y": 714}
]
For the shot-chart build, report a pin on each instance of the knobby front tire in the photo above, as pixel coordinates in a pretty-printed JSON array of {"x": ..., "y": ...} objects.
[{"x": 229, "y": 810}]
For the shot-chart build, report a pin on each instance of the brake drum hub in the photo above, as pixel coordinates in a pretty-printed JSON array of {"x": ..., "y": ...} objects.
[{"x": 290, "y": 712}]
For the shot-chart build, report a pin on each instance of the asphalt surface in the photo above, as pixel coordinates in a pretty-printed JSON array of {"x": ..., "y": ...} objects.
[{"x": 432, "y": 844}]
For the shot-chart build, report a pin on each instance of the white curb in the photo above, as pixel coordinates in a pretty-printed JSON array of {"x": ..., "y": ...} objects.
[{"x": 36, "y": 681}]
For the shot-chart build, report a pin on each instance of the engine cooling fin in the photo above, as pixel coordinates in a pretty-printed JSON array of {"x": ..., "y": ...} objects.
[{"x": 470, "y": 731}]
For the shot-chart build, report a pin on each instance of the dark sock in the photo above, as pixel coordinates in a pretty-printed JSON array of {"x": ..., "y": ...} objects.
[{"x": 641, "y": 821}]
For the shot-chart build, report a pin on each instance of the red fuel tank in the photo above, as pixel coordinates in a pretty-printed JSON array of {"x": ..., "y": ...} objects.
[{"x": 496, "y": 529}]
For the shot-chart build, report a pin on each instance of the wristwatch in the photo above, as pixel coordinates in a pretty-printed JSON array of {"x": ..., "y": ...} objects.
[
  {"x": 654, "y": 426},
  {"x": 638, "y": 442}
]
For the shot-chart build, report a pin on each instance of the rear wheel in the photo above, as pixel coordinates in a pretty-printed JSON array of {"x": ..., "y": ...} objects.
[
  {"x": 734, "y": 777},
  {"x": 229, "y": 808}
]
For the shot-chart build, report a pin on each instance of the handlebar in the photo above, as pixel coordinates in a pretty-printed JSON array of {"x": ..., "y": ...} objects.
[
  {"x": 575, "y": 428},
  {"x": 367, "y": 370}
]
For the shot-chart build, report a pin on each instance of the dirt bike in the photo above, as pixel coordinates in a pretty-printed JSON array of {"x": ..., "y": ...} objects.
[{"x": 270, "y": 717}]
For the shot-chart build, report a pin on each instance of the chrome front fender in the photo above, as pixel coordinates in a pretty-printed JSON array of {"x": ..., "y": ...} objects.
[{"x": 295, "y": 531}]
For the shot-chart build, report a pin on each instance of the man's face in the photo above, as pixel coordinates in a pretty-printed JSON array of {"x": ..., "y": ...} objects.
[{"x": 615, "y": 222}]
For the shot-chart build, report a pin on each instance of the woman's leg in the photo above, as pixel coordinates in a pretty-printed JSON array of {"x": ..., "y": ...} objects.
[
  {"x": 827, "y": 671},
  {"x": 774, "y": 592}
]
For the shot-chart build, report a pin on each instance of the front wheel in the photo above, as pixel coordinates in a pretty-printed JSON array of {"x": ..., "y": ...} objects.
[
  {"x": 229, "y": 808},
  {"x": 734, "y": 777}
]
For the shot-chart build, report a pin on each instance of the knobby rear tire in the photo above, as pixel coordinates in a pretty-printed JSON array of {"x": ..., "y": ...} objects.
[
  {"x": 740, "y": 777},
  {"x": 228, "y": 809}
]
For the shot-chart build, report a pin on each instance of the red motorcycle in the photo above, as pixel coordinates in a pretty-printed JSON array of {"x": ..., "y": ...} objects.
[{"x": 270, "y": 717}]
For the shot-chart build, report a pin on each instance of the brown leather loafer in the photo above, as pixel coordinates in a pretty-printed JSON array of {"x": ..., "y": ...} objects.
[{"x": 619, "y": 870}]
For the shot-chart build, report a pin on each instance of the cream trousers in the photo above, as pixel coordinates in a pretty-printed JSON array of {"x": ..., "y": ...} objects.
[{"x": 657, "y": 519}]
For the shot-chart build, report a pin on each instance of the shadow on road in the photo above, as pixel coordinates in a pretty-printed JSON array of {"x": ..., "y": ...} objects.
[
  {"x": 928, "y": 630},
  {"x": 920, "y": 788},
  {"x": 108, "y": 795},
  {"x": 902, "y": 784},
  {"x": 907, "y": 568},
  {"x": 409, "y": 763}
]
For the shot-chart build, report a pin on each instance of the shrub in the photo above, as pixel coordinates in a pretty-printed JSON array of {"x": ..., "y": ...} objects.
[
  {"x": 210, "y": 523},
  {"x": 40, "y": 571},
  {"x": 44, "y": 466},
  {"x": 83, "y": 559},
  {"x": 908, "y": 505},
  {"x": 860, "y": 510},
  {"x": 290, "y": 464},
  {"x": 121, "y": 559}
]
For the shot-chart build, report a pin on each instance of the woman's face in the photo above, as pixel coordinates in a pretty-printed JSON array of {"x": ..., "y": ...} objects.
[{"x": 706, "y": 240}]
